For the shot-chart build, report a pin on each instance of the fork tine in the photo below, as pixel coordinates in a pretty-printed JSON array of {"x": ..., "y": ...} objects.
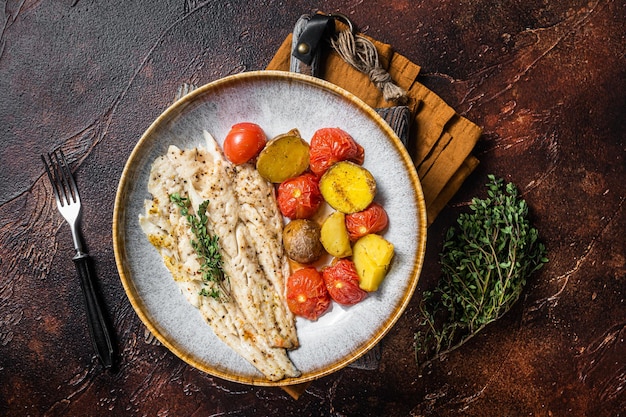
[
  {"x": 49, "y": 165},
  {"x": 61, "y": 181},
  {"x": 60, "y": 175},
  {"x": 69, "y": 184},
  {"x": 183, "y": 90}
]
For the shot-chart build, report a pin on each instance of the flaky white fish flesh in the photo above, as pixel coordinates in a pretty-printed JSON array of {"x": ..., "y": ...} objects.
[{"x": 251, "y": 315}]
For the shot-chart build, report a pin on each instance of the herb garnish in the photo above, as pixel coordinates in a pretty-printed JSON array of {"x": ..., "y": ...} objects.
[
  {"x": 205, "y": 245},
  {"x": 485, "y": 263}
]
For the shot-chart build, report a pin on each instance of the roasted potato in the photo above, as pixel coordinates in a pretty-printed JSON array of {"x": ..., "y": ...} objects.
[
  {"x": 301, "y": 239},
  {"x": 286, "y": 156},
  {"x": 372, "y": 256},
  {"x": 334, "y": 235},
  {"x": 348, "y": 187}
]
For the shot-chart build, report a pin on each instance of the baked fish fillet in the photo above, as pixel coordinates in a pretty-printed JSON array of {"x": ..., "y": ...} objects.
[{"x": 251, "y": 314}]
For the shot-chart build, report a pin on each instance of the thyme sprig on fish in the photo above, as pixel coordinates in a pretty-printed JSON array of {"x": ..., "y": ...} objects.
[
  {"x": 205, "y": 245},
  {"x": 486, "y": 260}
]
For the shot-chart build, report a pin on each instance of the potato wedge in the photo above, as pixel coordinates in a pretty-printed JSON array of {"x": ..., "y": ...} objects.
[
  {"x": 286, "y": 156},
  {"x": 348, "y": 187},
  {"x": 372, "y": 255},
  {"x": 334, "y": 235}
]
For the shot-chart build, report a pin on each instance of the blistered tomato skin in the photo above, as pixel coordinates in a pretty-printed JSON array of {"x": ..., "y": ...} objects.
[
  {"x": 307, "y": 295},
  {"x": 342, "y": 282},
  {"x": 243, "y": 142},
  {"x": 330, "y": 145},
  {"x": 299, "y": 197},
  {"x": 373, "y": 219}
]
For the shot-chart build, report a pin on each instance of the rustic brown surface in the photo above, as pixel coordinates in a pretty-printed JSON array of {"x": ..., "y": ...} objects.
[{"x": 545, "y": 79}]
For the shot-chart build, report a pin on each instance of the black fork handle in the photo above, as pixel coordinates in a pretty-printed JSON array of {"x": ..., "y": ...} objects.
[{"x": 98, "y": 328}]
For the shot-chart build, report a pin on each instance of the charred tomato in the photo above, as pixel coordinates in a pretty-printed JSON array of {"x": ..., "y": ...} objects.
[
  {"x": 373, "y": 219},
  {"x": 330, "y": 145},
  {"x": 299, "y": 197},
  {"x": 307, "y": 295},
  {"x": 342, "y": 282}
]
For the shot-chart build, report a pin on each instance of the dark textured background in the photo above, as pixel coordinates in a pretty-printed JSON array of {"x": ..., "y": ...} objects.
[{"x": 546, "y": 80}]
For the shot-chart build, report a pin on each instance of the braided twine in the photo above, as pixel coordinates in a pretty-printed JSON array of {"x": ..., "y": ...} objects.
[{"x": 361, "y": 53}]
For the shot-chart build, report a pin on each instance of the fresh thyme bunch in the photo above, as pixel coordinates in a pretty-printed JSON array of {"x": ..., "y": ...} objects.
[
  {"x": 205, "y": 245},
  {"x": 486, "y": 260}
]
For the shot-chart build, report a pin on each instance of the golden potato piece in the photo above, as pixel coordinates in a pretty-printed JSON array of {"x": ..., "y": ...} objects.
[
  {"x": 334, "y": 235},
  {"x": 286, "y": 156},
  {"x": 372, "y": 256},
  {"x": 348, "y": 187}
]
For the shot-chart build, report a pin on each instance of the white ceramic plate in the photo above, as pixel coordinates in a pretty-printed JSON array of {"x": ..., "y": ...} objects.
[{"x": 278, "y": 102}]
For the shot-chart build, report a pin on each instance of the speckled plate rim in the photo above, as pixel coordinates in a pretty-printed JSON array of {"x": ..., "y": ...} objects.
[{"x": 120, "y": 215}]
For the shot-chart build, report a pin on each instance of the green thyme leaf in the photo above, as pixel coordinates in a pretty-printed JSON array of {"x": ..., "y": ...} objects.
[
  {"x": 205, "y": 246},
  {"x": 485, "y": 261},
  {"x": 212, "y": 292}
]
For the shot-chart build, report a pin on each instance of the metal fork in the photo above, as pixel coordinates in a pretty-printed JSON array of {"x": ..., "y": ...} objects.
[{"x": 68, "y": 203}]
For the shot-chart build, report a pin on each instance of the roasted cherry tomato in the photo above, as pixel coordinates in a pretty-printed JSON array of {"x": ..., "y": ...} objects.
[
  {"x": 373, "y": 219},
  {"x": 244, "y": 142},
  {"x": 342, "y": 282},
  {"x": 307, "y": 295},
  {"x": 330, "y": 145},
  {"x": 299, "y": 197}
]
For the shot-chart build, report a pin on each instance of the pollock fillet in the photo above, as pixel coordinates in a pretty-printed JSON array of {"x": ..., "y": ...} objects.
[{"x": 251, "y": 315}]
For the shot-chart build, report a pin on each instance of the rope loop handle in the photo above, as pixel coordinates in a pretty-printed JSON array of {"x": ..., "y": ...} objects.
[{"x": 361, "y": 53}]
